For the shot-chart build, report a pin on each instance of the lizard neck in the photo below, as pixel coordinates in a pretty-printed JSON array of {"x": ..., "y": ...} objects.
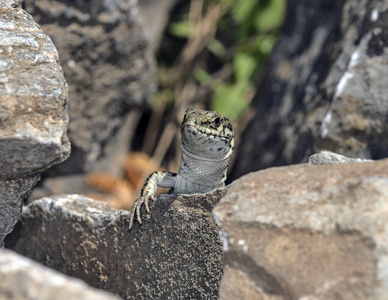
[
  {"x": 201, "y": 158},
  {"x": 198, "y": 174}
]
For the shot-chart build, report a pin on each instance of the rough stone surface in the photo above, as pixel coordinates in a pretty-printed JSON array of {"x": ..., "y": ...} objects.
[
  {"x": 12, "y": 193},
  {"x": 325, "y": 87},
  {"x": 22, "y": 278},
  {"x": 33, "y": 109},
  {"x": 175, "y": 254},
  {"x": 307, "y": 232},
  {"x": 108, "y": 65},
  {"x": 33, "y": 97},
  {"x": 329, "y": 158},
  {"x": 236, "y": 284}
]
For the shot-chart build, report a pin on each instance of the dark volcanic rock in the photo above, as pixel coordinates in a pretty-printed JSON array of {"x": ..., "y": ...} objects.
[
  {"x": 109, "y": 67},
  {"x": 22, "y": 278},
  {"x": 175, "y": 254},
  {"x": 12, "y": 194},
  {"x": 325, "y": 87}
]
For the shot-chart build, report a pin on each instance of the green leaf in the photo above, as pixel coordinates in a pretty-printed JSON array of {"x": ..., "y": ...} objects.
[
  {"x": 216, "y": 47},
  {"x": 271, "y": 15},
  {"x": 243, "y": 8},
  {"x": 266, "y": 43},
  {"x": 181, "y": 29},
  {"x": 244, "y": 66},
  {"x": 229, "y": 100},
  {"x": 202, "y": 76}
]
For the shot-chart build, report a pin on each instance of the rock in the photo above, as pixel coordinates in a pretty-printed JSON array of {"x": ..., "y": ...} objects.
[
  {"x": 324, "y": 88},
  {"x": 156, "y": 15},
  {"x": 329, "y": 158},
  {"x": 177, "y": 253},
  {"x": 307, "y": 232},
  {"x": 236, "y": 284},
  {"x": 33, "y": 110},
  {"x": 110, "y": 69},
  {"x": 12, "y": 193},
  {"x": 33, "y": 97},
  {"x": 22, "y": 278}
]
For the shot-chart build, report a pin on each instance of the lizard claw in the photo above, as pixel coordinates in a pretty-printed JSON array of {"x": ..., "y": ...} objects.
[
  {"x": 136, "y": 208},
  {"x": 152, "y": 197}
]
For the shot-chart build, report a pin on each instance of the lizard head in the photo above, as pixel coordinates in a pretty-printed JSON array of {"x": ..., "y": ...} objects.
[{"x": 207, "y": 133}]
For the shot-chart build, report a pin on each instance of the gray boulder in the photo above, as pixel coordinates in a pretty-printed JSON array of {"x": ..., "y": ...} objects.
[
  {"x": 325, "y": 87},
  {"x": 330, "y": 158},
  {"x": 12, "y": 194},
  {"x": 33, "y": 97},
  {"x": 175, "y": 254},
  {"x": 33, "y": 110},
  {"x": 22, "y": 278},
  {"x": 307, "y": 232}
]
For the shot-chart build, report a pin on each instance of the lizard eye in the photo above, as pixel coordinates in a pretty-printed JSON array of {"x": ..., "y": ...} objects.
[{"x": 217, "y": 121}]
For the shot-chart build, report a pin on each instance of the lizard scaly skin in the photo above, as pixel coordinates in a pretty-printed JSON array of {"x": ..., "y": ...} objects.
[{"x": 207, "y": 145}]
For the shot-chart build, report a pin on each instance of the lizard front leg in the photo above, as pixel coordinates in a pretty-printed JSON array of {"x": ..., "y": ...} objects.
[{"x": 161, "y": 179}]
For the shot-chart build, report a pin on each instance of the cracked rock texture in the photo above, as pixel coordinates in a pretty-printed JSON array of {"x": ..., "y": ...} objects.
[
  {"x": 325, "y": 87},
  {"x": 33, "y": 110},
  {"x": 175, "y": 254},
  {"x": 109, "y": 67},
  {"x": 307, "y": 232},
  {"x": 22, "y": 278},
  {"x": 33, "y": 97}
]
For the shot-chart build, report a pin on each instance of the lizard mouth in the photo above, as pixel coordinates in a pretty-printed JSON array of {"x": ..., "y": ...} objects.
[{"x": 200, "y": 132}]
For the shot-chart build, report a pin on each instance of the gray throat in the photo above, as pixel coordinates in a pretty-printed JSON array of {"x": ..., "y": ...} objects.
[
  {"x": 197, "y": 157},
  {"x": 198, "y": 174}
]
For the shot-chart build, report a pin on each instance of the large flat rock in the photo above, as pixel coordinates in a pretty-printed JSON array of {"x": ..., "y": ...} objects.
[
  {"x": 307, "y": 232},
  {"x": 175, "y": 254}
]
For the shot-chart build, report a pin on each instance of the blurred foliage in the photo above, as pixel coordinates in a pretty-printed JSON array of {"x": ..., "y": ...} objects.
[{"x": 222, "y": 61}]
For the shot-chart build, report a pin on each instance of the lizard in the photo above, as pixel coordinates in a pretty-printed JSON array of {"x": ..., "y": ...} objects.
[{"x": 207, "y": 143}]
